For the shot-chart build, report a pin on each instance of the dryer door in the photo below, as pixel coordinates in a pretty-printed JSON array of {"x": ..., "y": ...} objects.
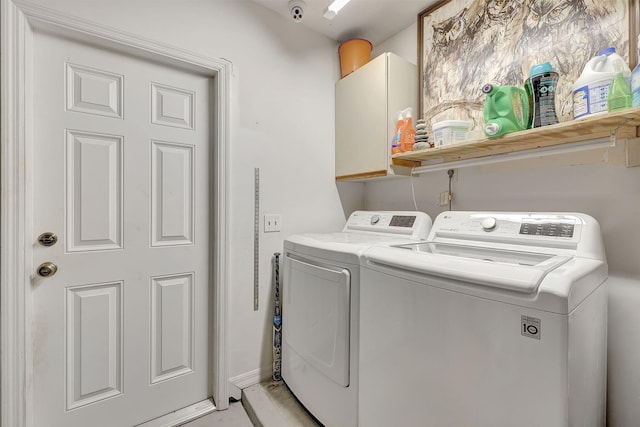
[{"x": 315, "y": 315}]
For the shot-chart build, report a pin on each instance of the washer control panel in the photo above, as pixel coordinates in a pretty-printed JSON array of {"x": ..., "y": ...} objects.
[
  {"x": 564, "y": 233},
  {"x": 509, "y": 227},
  {"x": 562, "y": 228}
]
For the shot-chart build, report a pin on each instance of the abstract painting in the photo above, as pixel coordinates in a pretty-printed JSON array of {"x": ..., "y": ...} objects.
[{"x": 464, "y": 44}]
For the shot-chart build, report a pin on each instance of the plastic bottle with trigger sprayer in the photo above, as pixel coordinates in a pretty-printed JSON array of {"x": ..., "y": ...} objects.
[
  {"x": 395, "y": 142},
  {"x": 408, "y": 137},
  {"x": 404, "y": 136}
]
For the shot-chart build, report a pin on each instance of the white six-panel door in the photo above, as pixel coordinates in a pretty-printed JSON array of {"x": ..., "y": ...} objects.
[{"x": 122, "y": 175}]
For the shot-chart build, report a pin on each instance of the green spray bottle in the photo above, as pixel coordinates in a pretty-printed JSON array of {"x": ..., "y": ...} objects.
[{"x": 619, "y": 94}]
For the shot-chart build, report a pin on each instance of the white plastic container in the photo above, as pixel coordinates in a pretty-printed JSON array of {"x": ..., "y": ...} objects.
[
  {"x": 591, "y": 90},
  {"x": 450, "y": 132}
]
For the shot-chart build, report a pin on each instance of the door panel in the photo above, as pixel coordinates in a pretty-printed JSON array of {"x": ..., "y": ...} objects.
[
  {"x": 171, "y": 326},
  {"x": 171, "y": 194},
  {"x": 94, "y": 343},
  {"x": 94, "y": 91},
  {"x": 94, "y": 191},
  {"x": 121, "y": 174},
  {"x": 172, "y": 106}
]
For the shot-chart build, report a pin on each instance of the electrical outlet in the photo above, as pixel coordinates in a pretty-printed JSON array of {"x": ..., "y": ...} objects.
[
  {"x": 272, "y": 223},
  {"x": 444, "y": 198}
]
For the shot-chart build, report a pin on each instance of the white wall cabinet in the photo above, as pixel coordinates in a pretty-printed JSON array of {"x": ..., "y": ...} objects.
[{"x": 367, "y": 105}]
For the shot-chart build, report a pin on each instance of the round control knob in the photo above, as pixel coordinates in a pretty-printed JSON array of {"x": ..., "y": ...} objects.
[
  {"x": 488, "y": 223},
  {"x": 375, "y": 219}
]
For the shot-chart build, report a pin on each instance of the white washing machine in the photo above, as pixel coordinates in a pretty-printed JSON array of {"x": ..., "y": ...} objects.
[
  {"x": 499, "y": 320},
  {"x": 321, "y": 281}
]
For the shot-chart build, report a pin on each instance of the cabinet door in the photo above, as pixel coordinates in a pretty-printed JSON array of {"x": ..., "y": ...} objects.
[
  {"x": 361, "y": 121},
  {"x": 402, "y": 92}
]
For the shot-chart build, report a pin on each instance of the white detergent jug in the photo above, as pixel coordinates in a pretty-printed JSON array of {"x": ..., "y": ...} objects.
[{"x": 591, "y": 90}]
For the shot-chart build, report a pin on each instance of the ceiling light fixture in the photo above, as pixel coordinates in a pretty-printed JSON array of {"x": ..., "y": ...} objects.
[{"x": 332, "y": 10}]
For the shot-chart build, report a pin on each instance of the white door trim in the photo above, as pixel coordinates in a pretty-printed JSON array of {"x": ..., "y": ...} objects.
[{"x": 18, "y": 19}]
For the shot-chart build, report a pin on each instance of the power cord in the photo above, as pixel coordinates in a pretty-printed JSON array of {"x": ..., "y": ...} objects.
[
  {"x": 450, "y": 172},
  {"x": 413, "y": 191}
]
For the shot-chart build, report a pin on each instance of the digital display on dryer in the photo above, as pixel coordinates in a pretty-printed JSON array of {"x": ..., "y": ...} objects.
[
  {"x": 547, "y": 229},
  {"x": 402, "y": 221}
]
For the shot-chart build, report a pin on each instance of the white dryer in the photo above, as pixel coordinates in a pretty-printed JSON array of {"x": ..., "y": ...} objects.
[
  {"x": 498, "y": 320},
  {"x": 321, "y": 282}
]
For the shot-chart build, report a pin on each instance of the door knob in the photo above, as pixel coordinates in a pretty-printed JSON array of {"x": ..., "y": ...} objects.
[{"x": 47, "y": 269}]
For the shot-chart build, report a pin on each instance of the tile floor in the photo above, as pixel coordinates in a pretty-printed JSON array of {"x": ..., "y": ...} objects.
[
  {"x": 268, "y": 404},
  {"x": 235, "y": 416}
]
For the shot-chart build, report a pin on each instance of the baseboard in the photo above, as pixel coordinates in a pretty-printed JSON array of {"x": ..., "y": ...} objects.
[{"x": 248, "y": 379}]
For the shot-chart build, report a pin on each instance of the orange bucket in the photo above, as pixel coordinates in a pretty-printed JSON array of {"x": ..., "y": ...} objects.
[{"x": 354, "y": 54}]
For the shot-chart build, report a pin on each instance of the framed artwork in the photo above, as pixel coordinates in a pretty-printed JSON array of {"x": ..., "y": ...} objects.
[{"x": 464, "y": 44}]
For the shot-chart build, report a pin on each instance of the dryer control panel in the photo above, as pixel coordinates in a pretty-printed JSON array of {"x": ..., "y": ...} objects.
[{"x": 402, "y": 223}]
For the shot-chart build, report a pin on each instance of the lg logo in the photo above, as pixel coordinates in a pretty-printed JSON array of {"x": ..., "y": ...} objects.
[{"x": 530, "y": 327}]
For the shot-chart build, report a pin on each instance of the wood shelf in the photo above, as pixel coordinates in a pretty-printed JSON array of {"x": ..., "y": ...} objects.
[{"x": 622, "y": 124}]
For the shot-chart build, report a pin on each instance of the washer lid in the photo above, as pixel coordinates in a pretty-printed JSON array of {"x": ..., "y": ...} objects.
[{"x": 505, "y": 269}]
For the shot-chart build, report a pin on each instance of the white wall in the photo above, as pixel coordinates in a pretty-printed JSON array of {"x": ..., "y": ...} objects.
[
  {"x": 404, "y": 44},
  {"x": 282, "y": 122},
  {"x": 571, "y": 182}
]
